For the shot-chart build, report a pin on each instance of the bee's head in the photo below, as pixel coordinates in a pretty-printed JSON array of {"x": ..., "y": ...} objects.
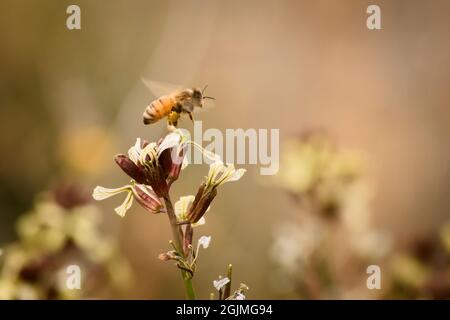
[
  {"x": 197, "y": 93},
  {"x": 198, "y": 96}
]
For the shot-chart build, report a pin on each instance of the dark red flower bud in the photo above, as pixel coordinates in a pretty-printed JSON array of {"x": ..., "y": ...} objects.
[
  {"x": 157, "y": 181},
  {"x": 130, "y": 168},
  {"x": 197, "y": 197},
  {"x": 166, "y": 256},
  {"x": 70, "y": 195},
  {"x": 147, "y": 198},
  {"x": 171, "y": 162},
  {"x": 201, "y": 203}
]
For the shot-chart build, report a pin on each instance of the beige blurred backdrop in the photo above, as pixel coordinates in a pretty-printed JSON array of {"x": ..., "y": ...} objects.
[{"x": 70, "y": 100}]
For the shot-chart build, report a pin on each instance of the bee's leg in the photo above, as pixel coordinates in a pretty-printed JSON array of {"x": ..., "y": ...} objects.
[
  {"x": 172, "y": 119},
  {"x": 190, "y": 116},
  {"x": 174, "y": 115},
  {"x": 177, "y": 108}
]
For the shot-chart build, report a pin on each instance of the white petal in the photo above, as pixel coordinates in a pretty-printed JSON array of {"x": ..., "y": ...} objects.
[
  {"x": 229, "y": 174},
  {"x": 123, "y": 208},
  {"x": 135, "y": 151},
  {"x": 101, "y": 193},
  {"x": 240, "y": 296},
  {"x": 236, "y": 175},
  {"x": 171, "y": 140},
  {"x": 182, "y": 206},
  {"x": 185, "y": 163},
  {"x": 200, "y": 222},
  {"x": 204, "y": 241},
  {"x": 215, "y": 169},
  {"x": 219, "y": 284}
]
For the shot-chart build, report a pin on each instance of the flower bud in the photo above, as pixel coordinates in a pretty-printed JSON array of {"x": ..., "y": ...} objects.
[
  {"x": 166, "y": 256},
  {"x": 130, "y": 168},
  {"x": 157, "y": 181},
  {"x": 171, "y": 162},
  {"x": 147, "y": 198},
  {"x": 198, "y": 195},
  {"x": 201, "y": 203}
]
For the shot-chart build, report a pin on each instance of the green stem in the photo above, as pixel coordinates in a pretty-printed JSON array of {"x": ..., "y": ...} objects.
[
  {"x": 178, "y": 241},
  {"x": 188, "y": 286}
]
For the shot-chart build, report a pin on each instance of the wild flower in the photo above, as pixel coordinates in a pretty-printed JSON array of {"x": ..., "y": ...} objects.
[
  {"x": 182, "y": 207},
  {"x": 223, "y": 287},
  {"x": 239, "y": 293},
  {"x": 294, "y": 244},
  {"x": 203, "y": 242},
  {"x": 218, "y": 174},
  {"x": 220, "y": 283},
  {"x": 153, "y": 168},
  {"x": 420, "y": 269},
  {"x": 143, "y": 194},
  {"x": 333, "y": 196},
  {"x": 62, "y": 227}
]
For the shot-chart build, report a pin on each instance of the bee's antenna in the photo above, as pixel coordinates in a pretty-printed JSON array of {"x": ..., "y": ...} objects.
[
  {"x": 203, "y": 91},
  {"x": 206, "y": 97}
]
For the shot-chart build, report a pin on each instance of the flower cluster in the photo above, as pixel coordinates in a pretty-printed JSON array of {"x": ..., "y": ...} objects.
[
  {"x": 153, "y": 168},
  {"x": 422, "y": 269},
  {"x": 61, "y": 230},
  {"x": 333, "y": 197},
  {"x": 317, "y": 174}
]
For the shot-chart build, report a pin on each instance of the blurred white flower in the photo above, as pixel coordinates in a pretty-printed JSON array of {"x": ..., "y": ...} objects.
[
  {"x": 294, "y": 244},
  {"x": 371, "y": 244},
  {"x": 356, "y": 212}
]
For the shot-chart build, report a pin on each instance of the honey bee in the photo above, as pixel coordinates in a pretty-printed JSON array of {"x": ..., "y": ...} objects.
[{"x": 173, "y": 104}]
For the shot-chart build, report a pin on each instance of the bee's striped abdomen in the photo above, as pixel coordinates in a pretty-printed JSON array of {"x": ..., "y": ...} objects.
[{"x": 158, "y": 109}]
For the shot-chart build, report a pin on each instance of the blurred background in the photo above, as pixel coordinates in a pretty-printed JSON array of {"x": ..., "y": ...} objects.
[{"x": 71, "y": 99}]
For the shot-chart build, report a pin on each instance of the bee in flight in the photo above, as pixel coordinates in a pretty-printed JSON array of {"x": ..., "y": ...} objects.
[{"x": 173, "y": 104}]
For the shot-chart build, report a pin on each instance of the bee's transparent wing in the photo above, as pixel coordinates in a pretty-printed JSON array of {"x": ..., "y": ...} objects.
[{"x": 160, "y": 88}]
